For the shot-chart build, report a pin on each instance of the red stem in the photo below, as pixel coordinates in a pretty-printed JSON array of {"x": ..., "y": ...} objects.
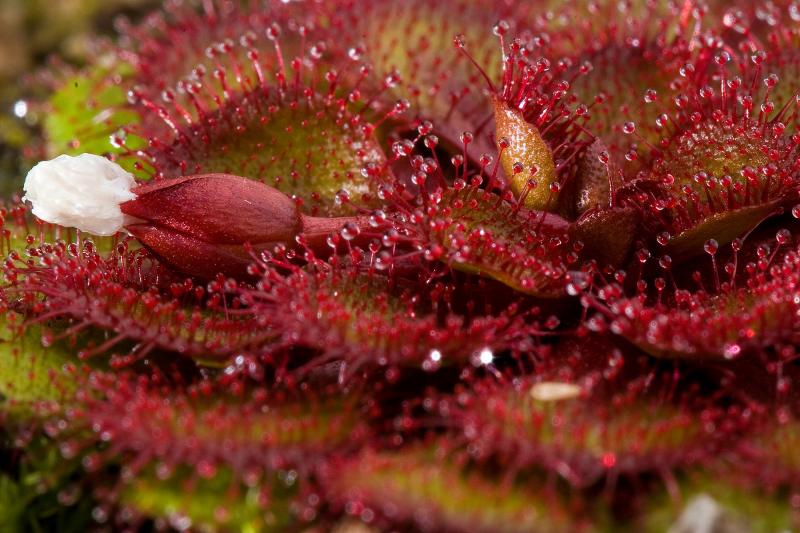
[{"x": 316, "y": 230}]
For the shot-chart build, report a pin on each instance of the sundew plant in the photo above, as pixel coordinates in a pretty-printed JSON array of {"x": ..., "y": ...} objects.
[{"x": 410, "y": 265}]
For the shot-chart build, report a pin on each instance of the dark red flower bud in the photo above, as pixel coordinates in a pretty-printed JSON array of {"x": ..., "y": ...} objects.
[{"x": 201, "y": 224}]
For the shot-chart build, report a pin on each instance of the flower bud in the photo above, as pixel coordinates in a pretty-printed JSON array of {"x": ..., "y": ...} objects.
[{"x": 200, "y": 224}]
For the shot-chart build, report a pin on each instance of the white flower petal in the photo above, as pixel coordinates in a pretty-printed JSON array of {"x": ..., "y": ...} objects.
[{"x": 83, "y": 192}]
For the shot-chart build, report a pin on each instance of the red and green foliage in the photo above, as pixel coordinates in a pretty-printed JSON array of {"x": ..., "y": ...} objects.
[{"x": 426, "y": 265}]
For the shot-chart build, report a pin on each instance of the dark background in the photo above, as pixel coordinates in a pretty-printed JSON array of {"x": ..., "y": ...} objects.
[{"x": 38, "y": 40}]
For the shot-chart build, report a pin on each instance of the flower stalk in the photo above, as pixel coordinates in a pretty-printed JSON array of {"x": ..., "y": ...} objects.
[
  {"x": 213, "y": 223},
  {"x": 201, "y": 225}
]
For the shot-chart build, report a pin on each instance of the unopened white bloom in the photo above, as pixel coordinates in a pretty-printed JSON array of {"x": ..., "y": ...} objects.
[
  {"x": 82, "y": 192},
  {"x": 554, "y": 391}
]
